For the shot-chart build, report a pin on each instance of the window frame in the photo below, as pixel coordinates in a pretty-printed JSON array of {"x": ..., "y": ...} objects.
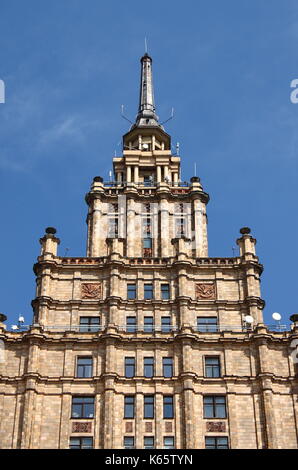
[
  {"x": 131, "y": 327},
  {"x": 213, "y": 367},
  {"x": 80, "y": 439},
  {"x": 167, "y": 291},
  {"x": 216, "y": 446},
  {"x": 151, "y": 365},
  {"x": 146, "y": 291},
  {"x": 83, "y": 408},
  {"x": 171, "y": 366},
  {"x": 129, "y": 406},
  {"x": 89, "y": 324},
  {"x": 130, "y": 291},
  {"x": 166, "y": 406},
  {"x": 208, "y": 327},
  {"x": 132, "y": 365},
  {"x": 149, "y": 408},
  {"x": 84, "y": 366},
  {"x": 215, "y": 407}
]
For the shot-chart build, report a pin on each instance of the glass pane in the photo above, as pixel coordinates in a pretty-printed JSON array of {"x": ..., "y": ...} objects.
[
  {"x": 87, "y": 442},
  {"x": 76, "y": 411}
]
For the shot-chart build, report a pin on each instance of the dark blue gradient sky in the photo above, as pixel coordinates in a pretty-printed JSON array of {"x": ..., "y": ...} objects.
[{"x": 226, "y": 68}]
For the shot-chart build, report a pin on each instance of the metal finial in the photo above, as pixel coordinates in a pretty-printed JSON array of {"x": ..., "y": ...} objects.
[{"x": 146, "y": 46}]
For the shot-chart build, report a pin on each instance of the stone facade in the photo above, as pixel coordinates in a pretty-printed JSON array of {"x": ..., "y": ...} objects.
[{"x": 147, "y": 291}]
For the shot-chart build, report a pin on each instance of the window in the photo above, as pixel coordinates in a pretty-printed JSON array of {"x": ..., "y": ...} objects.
[
  {"x": 129, "y": 442},
  {"x": 168, "y": 443},
  {"x": 148, "y": 442},
  {"x": 129, "y": 406},
  {"x": 148, "y": 406},
  {"x": 148, "y": 180},
  {"x": 89, "y": 324},
  {"x": 148, "y": 324},
  {"x": 212, "y": 367},
  {"x": 168, "y": 407},
  {"x": 84, "y": 366},
  {"x": 148, "y": 291},
  {"x": 147, "y": 243},
  {"x": 131, "y": 324},
  {"x": 81, "y": 443},
  {"x": 113, "y": 227},
  {"x": 215, "y": 406},
  {"x": 207, "y": 324},
  {"x": 165, "y": 291},
  {"x": 166, "y": 324},
  {"x": 167, "y": 366},
  {"x": 130, "y": 367},
  {"x": 82, "y": 407},
  {"x": 131, "y": 291},
  {"x": 148, "y": 366},
  {"x": 216, "y": 443}
]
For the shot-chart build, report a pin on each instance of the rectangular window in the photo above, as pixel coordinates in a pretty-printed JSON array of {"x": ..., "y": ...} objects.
[
  {"x": 81, "y": 443},
  {"x": 88, "y": 324},
  {"x": 82, "y": 407},
  {"x": 168, "y": 407},
  {"x": 148, "y": 366},
  {"x": 166, "y": 326},
  {"x": 167, "y": 367},
  {"x": 129, "y": 442},
  {"x": 212, "y": 367},
  {"x": 148, "y": 324},
  {"x": 129, "y": 406},
  {"x": 149, "y": 442},
  {"x": 165, "y": 291},
  {"x": 216, "y": 443},
  {"x": 215, "y": 406},
  {"x": 148, "y": 291},
  {"x": 168, "y": 442},
  {"x": 207, "y": 324},
  {"x": 84, "y": 367},
  {"x": 131, "y": 291},
  {"x": 130, "y": 367},
  {"x": 147, "y": 243},
  {"x": 148, "y": 406},
  {"x": 131, "y": 324}
]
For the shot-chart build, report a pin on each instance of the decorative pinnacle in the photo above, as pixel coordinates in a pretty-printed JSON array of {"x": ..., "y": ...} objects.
[
  {"x": 146, "y": 113},
  {"x": 245, "y": 230}
]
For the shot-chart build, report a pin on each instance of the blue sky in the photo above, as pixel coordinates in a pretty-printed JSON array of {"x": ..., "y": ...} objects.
[{"x": 226, "y": 68}]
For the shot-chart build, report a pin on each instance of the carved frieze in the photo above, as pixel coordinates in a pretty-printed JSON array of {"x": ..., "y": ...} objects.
[
  {"x": 78, "y": 426},
  {"x": 216, "y": 426},
  {"x": 205, "y": 291},
  {"x": 91, "y": 290}
]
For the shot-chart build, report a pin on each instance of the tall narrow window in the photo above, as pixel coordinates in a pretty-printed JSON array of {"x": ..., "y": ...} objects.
[
  {"x": 148, "y": 406},
  {"x": 148, "y": 291},
  {"x": 84, "y": 366},
  {"x": 147, "y": 247},
  {"x": 167, "y": 367},
  {"x": 82, "y": 407},
  {"x": 207, "y": 324},
  {"x": 168, "y": 407},
  {"x": 212, "y": 367},
  {"x": 149, "y": 442},
  {"x": 148, "y": 324},
  {"x": 89, "y": 324},
  {"x": 166, "y": 326},
  {"x": 148, "y": 366},
  {"x": 129, "y": 406},
  {"x": 215, "y": 406},
  {"x": 165, "y": 291},
  {"x": 130, "y": 367},
  {"x": 131, "y": 324},
  {"x": 131, "y": 291}
]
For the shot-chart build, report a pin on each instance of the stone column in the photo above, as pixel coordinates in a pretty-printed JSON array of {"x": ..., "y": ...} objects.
[
  {"x": 200, "y": 228},
  {"x": 136, "y": 174},
  {"x": 128, "y": 174},
  {"x": 158, "y": 173},
  {"x": 131, "y": 235},
  {"x": 164, "y": 228}
]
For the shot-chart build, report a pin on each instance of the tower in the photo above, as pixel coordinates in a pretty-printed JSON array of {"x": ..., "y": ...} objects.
[{"x": 145, "y": 341}]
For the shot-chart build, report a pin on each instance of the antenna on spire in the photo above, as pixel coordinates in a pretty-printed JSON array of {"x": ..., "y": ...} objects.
[
  {"x": 146, "y": 46},
  {"x": 167, "y": 120},
  {"x": 195, "y": 168},
  {"x": 122, "y": 114}
]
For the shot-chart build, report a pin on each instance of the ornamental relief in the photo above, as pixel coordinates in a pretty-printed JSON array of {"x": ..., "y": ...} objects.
[
  {"x": 91, "y": 290},
  {"x": 81, "y": 427},
  {"x": 205, "y": 291},
  {"x": 213, "y": 426}
]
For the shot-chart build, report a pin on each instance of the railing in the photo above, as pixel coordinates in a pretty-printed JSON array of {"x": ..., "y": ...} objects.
[
  {"x": 146, "y": 184},
  {"x": 153, "y": 328}
]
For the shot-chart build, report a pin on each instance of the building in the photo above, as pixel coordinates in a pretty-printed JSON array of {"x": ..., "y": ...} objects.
[{"x": 146, "y": 341}]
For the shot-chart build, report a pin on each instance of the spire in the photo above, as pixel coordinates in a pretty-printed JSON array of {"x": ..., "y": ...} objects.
[{"x": 146, "y": 113}]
